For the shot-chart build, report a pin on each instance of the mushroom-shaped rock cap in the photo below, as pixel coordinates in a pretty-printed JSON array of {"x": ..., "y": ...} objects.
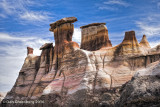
[
  {"x": 46, "y": 45},
  {"x": 92, "y": 24},
  {"x": 62, "y": 21}
]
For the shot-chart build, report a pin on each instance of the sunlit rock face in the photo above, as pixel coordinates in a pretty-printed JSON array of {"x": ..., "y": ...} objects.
[
  {"x": 67, "y": 75},
  {"x": 129, "y": 45},
  {"x": 144, "y": 42},
  {"x": 94, "y": 37}
]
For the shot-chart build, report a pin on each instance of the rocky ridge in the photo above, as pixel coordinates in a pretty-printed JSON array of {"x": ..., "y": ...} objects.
[{"x": 89, "y": 75}]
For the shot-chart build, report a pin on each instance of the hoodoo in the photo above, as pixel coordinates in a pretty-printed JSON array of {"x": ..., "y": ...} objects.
[
  {"x": 129, "y": 45},
  {"x": 94, "y": 37},
  {"x": 63, "y": 31},
  {"x": 144, "y": 42}
]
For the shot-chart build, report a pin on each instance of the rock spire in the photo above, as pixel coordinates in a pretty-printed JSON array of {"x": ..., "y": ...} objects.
[{"x": 144, "y": 42}]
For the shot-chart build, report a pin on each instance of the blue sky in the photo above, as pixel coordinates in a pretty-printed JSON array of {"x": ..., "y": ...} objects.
[{"x": 26, "y": 23}]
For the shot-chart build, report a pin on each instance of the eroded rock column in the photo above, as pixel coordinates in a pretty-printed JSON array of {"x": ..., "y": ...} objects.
[
  {"x": 63, "y": 31},
  {"x": 94, "y": 37}
]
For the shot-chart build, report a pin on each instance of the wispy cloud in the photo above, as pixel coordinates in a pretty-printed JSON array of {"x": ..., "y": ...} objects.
[
  {"x": 20, "y": 9},
  {"x": 107, "y": 8},
  {"x": 149, "y": 25},
  {"x": 6, "y": 37},
  {"x": 155, "y": 43},
  {"x": 116, "y": 2},
  {"x": 34, "y": 16},
  {"x": 113, "y": 5}
]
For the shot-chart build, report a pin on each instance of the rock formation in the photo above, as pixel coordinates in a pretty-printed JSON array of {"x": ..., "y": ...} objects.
[
  {"x": 29, "y": 50},
  {"x": 143, "y": 89},
  {"x": 63, "y": 31},
  {"x": 94, "y": 37},
  {"x": 129, "y": 45},
  {"x": 65, "y": 75},
  {"x": 144, "y": 42}
]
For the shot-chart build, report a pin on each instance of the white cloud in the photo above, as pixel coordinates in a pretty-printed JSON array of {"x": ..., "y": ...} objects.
[
  {"x": 107, "y": 8},
  {"x": 34, "y": 16},
  {"x": 117, "y": 2},
  {"x": 20, "y": 9},
  {"x": 112, "y": 5},
  {"x": 149, "y": 25},
  {"x": 77, "y": 35},
  {"x": 6, "y": 37},
  {"x": 154, "y": 44},
  {"x": 12, "y": 55}
]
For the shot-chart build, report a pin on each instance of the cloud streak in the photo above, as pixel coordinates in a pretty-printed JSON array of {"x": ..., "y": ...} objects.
[
  {"x": 149, "y": 25},
  {"x": 116, "y": 2},
  {"x": 20, "y": 9},
  {"x": 6, "y": 37},
  {"x": 113, "y": 5},
  {"x": 155, "y": 43}
]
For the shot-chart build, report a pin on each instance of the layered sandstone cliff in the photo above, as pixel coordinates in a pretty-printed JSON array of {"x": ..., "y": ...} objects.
[
  {"x": 66, "y": 75},
  {"x": 94, "y": 37}
]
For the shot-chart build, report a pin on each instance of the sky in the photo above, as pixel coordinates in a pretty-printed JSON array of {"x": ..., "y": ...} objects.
[{"x": 26, "y": 23}]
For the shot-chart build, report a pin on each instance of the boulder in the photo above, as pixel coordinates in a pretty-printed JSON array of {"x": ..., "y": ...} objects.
[{"x": 143, "y": 89}]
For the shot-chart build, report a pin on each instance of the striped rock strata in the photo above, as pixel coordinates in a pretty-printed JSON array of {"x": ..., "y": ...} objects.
[
  {"x": 144, "y": 42},
  {"x": 94, "y": 37}
]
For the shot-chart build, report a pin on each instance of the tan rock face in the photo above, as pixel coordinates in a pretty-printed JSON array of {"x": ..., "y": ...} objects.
[
  {"x": 94, "y": 37},
  {"x": 129, "y": 45},
  {"x": 144, "y": 42}
]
